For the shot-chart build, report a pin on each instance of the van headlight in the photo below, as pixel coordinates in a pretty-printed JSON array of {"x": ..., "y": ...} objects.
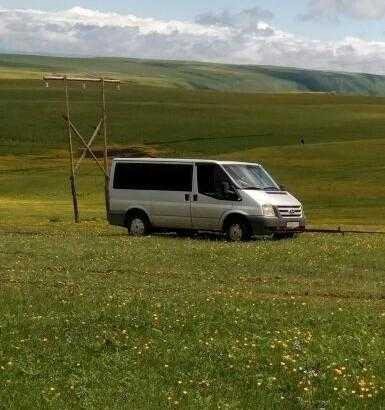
[{"x": 268, "y": 210}]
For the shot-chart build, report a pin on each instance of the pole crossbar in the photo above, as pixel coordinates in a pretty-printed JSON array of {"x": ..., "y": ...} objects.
[
  {"x": 81, "y": 79},
  {"x": 72, "y": 130}
]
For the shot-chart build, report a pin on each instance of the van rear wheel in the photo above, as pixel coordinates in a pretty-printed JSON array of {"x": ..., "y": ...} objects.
[
  {"x": 238, "y": 230},
  {"x": 138, "y": 225}
]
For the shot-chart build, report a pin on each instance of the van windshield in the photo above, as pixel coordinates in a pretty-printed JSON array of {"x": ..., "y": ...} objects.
[{"x": 251, "y": 177}]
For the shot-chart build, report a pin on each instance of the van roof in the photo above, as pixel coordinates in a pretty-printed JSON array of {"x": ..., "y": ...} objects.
[{"x": 182, "y": 160}]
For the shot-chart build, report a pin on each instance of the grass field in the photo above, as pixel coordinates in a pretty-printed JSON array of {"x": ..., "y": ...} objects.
[
  {"x": 97, "y": 320},
  {"x": 91, "y": 318},
  {"x": 337, "y": 174}
]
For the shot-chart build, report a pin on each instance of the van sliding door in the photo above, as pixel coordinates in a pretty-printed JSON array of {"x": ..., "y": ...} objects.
[{"x": 171, "y": 201}]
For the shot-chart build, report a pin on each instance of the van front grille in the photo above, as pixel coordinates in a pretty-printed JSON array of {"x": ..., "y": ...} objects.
[{"x": 290, "y": 211}]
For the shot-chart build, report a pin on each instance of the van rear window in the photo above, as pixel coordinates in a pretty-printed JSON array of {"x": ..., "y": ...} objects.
[{"x": 153, "y": 177}]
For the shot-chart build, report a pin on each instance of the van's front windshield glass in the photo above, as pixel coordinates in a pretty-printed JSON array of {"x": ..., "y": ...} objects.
[{"x": 251, "y": 177}]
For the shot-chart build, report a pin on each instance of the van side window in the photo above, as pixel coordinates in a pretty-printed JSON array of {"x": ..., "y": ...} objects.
[
  {"x": 153, "y": 177},
  {"x": 213, "y": 182}
]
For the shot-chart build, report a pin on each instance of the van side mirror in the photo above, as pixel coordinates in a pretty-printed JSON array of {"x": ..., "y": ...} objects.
[
  {"x": 282, "y": 188},
  {"x": 229, "y": 192},
  {"x": 226, "y": 188}
]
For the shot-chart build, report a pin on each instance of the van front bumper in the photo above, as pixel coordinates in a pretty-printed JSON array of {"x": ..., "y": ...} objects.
[{"x": 266, "y": 226}]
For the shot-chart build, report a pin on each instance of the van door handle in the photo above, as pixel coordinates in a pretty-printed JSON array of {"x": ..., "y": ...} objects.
[{"x": 187, "y": 197}]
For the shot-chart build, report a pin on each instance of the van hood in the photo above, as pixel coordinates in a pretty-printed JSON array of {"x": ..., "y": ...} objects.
[{"x": 275, "y": 198}]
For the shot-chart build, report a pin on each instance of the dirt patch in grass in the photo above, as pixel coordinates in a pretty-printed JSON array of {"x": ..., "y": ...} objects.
[
  {"x": 132, "y": 151},
  {"x": 306, "y": 295}
]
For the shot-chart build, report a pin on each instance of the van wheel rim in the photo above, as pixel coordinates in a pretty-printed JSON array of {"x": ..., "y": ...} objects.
[
  {"x": 236, "y": 232},
  {"x": 137, "y": 227}
]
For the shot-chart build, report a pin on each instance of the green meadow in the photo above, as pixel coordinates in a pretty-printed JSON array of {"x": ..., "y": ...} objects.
[
  {"x": 92, "y": 318},
  {"x": 337, "y": 173}
]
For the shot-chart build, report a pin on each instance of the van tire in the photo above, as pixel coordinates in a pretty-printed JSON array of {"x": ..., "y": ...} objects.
[
  {"x": 138, "y": 224},
  {"x": 238, "y": 229}
]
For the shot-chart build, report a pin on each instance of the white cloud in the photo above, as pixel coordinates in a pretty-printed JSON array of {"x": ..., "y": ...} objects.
[
  {"x": 241, "y": 40},
  {"x": 245, "y": 19},
  {"x": 333, "y": 9}
]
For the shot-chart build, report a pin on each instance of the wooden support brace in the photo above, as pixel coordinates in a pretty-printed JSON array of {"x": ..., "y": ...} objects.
[
  {"x": 96, "y": 132},
  {"x": 88, "y": 148}
]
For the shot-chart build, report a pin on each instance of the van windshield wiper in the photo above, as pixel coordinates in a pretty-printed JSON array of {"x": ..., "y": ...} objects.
[
  {"x": 255, "y": 188},
  {"x": 271, "y": 188}
]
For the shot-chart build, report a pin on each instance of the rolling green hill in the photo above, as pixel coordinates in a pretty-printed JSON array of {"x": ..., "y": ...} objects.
[{"x": 196, "y": 75}]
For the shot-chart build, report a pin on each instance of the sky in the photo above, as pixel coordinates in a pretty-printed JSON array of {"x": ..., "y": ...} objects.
[{"x": 345, "y": 35}]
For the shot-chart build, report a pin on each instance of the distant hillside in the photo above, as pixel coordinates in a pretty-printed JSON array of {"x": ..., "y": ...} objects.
[{"x": 195, "y": 75}]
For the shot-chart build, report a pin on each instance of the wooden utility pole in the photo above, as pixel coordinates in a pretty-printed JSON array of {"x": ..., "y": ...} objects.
[
  {"x": 107, "y": 176},
  {"x": 72, "y": 130},
  {"x": 71, "y": 154}
]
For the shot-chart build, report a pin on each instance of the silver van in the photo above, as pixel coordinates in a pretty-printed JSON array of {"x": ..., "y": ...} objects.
[{"x": 239, "y": 199}]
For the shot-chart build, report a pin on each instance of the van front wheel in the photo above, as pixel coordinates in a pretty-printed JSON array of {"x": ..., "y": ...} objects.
[
  {"x": 138, "y": 225},
  {"x": 238, "y": 230}
]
